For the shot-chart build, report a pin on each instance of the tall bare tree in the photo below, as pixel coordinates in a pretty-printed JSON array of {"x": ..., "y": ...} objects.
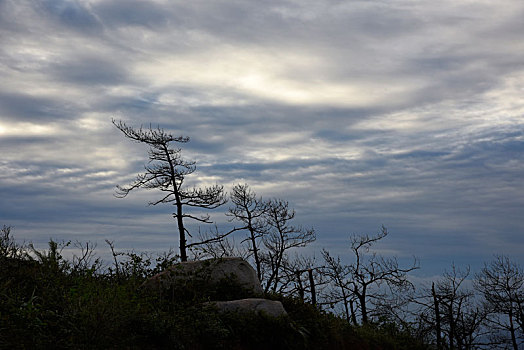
[
  {"x": 374, "y": 271},
  {"x": 166, "y": 172},
  {"x": 341, "y": 290},
  {"x": 451, "y": 313},
  {"x": 250, "y": 210}
]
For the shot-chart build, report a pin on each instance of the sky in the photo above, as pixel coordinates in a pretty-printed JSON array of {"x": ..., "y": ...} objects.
[{"x": 402, "y": 113}]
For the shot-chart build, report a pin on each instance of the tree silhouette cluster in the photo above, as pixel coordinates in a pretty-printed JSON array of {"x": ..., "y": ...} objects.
[{"x": 457, "y": 311}]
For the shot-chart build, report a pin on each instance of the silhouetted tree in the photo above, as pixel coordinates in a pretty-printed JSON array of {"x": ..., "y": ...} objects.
[
  {"x": 369, "y": 273},
  {"x": 8, "y": 246},
  {"x": 501, "y": 282},
  {"x": 300, "y": 276},
  {"x": 451, "y": 312},
  {"x": 215, "y": 245},
  {"x": 438, "y": 319},
  {"x": 279, "y": 238},
  {"x": 86, "y": 261},
  {"x": 166, "y": 171},
  {"x": 251, "y": 211},
  {"x": 339, "y": 276}
]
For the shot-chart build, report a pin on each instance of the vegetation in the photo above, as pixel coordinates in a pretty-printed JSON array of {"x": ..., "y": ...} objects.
[{"x": 49, "y": 302}]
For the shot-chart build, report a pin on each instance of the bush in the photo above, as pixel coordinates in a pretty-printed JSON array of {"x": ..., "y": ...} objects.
[{"x": 48, "y": 302}]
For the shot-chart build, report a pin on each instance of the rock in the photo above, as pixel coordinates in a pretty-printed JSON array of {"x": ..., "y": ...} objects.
[
  {"x": 259, "y": 306},
  {"x": 212, "y": 271}
]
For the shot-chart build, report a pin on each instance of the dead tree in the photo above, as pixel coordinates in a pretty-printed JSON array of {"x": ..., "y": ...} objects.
[
  {"x": 501, "y": 283},
  {"x": 369, "y": 273},
  {"x": 461, "y": 318},
  {"x": 450, "y": 312},
  {"x": 280, "y": 237},
  {"x": 341, "y": 291},
  {"x": 438, "y": 323},
  {"x": 166, "y": 172},
  {"x": 301, "y": 275},
  {"x": 251, "y": 211},
  {"x": 216, "y": 245}
]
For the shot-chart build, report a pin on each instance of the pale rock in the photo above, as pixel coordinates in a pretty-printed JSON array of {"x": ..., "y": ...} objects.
[
  {"x": 259, "y": 306},
  {"x": 212, "y": 271}
]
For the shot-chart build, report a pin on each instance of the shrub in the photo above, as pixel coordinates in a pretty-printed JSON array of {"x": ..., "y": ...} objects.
[{"x": 48, "y": 302}]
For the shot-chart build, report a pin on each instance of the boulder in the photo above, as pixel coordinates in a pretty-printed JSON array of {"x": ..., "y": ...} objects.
[
  {"x": 211, "y": 271},
  {"x": 259, "y": 306}
]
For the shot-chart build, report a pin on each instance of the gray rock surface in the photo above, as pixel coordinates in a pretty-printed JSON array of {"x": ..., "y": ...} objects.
[
  {"x": 264, "y": 306},
  {"x": 212, "y": 271}
]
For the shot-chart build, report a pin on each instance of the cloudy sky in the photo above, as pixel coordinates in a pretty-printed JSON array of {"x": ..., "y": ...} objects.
[{"x": 408, "y": 114}]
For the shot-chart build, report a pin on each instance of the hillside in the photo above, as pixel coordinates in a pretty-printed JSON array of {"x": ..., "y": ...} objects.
[{"x": 48, "y": 302}]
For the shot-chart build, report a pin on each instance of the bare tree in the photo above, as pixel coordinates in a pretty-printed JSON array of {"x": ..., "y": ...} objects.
[
  {"x": 215, "y": 245},
  {"x": 166, "y": 172},
  {"x": 280, "y": 237},
  {"x": 501, "y": 282},
  {"x": 339, "y": 276},
  {"x": 369, "y": 273},
  {"x": 251, "y": 211},
  {"x": 86, "y": 261},
  {"x": 438, "y": 320},
  {"x": 460, "y": 318},
  {"x": 301, "y": 277},
  {"x": 451, "y": 313}
]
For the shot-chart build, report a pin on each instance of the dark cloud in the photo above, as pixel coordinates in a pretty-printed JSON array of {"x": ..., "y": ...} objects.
[
  {"x": 18, "y": 106},
  {"x": 132, "y": 13},
  {"x": 90, "y": 71},
  {"x": 71, "y": 14}
]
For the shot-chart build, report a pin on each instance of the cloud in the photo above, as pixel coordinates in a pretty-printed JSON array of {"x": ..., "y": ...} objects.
[
  {"x": 118, "y": 14},
  {"x": 70, "y": 14},
  {"x": 90, "y": 71},
  {"x": 359, "y": 113},
  {"x": 19, "y": 106}
]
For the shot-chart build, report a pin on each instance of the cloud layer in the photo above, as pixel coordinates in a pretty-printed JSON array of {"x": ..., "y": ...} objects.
[{"x": 362, "y": 113}]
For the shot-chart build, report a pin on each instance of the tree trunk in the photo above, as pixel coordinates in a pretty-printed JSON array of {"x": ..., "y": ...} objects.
[
  {"x": 346, "y": 306},
  {"x": 181, "y": 230},
  {"x": 300, "y": 287},
  {"x": 312, "y": 286},
  {"x": 178, "y": 202},
  {"x": 451, "y": 325},
  {"x": 437, "y": 316},
  {"x": 255, "y": 252},
  {"x": 363, "y": 308},
  {"x": 512, "y": 329},
  {"x": 520, "y": 317},
  {"x": 353, "y": 316}
]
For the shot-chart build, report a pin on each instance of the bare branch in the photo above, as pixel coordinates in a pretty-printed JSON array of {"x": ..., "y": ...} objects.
[{"x": 166, "y": 171}]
